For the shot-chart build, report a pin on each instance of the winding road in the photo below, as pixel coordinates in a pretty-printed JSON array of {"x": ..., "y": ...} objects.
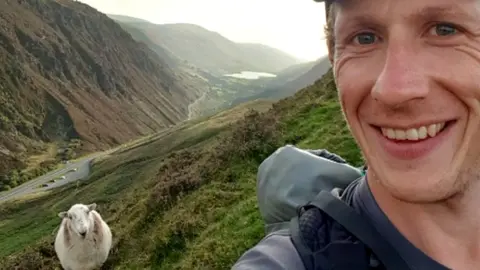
[
  {"x": 82, "y": 171},
  {"x": 191, "y": 106}
]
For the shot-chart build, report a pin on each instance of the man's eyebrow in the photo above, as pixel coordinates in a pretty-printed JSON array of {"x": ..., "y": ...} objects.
[
  {"x": 428, "y": 13},
  {"x": 363, "y": 19}
]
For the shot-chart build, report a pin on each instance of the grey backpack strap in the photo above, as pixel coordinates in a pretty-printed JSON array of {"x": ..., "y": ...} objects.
[
  {"x": 323, "y": 244},
  {"x": 302, "y": 249},
  {"x": 346, "y": 216}
]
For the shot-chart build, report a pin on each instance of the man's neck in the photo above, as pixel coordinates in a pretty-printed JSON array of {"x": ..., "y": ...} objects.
[{"x": 448, "y": 232}]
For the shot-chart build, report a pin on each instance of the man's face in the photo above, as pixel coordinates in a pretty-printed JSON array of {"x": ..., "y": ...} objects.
[{"x": 408, "y": 74}]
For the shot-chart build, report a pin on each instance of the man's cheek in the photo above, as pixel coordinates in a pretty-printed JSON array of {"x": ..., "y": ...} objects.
[
  {"x": 346, "y": 111},
  {"x": 343, "y": 98}
]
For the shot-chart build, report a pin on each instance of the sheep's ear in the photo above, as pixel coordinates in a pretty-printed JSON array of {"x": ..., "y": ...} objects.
[
  {"x": 92, "y": 206},
  {"x": 62, "y": 214}
]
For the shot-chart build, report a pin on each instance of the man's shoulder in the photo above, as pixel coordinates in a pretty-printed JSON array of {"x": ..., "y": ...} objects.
[
  {"x": 278, "y": 250},
  {"x": 274, "y": 251},
  {"x": 307, "y": 237}
]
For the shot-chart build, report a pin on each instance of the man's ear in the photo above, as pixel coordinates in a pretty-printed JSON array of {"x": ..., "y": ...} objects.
[
  {"x": 92, "y": 206},
  {"x": 62, "y": 214}
]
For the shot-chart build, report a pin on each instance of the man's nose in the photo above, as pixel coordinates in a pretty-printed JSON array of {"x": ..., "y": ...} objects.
[{"x": 402, "y": 78}]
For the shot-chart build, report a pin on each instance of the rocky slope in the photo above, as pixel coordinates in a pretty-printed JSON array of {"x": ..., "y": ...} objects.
[{"x": 69, "y": 71}]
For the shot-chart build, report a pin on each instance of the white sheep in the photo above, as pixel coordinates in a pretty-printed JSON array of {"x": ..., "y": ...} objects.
[{"x": 84, "y": 240}]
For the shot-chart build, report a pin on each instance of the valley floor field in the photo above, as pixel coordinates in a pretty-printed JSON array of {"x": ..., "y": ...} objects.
[{"x": 185, "y": 198}]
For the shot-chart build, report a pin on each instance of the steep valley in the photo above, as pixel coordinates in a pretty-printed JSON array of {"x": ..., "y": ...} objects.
[
  {"x": 196, "y": 50},
  {"x": 70, "y": 72},
  {"x": 74, "y": 80}
]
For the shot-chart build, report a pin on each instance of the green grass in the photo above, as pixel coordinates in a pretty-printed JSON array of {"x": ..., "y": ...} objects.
[{"x": 185, "y": 198}]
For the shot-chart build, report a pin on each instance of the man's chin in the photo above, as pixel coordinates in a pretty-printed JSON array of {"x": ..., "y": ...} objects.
[
  {"x": 420, "y": 171},
  {"x": 425, "y": 185}
]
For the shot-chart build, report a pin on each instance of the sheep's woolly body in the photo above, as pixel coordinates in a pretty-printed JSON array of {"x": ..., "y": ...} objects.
[{"x": 91, "y": 252}]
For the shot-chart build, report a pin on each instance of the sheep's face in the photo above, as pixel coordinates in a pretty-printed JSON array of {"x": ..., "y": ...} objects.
[{"x": 81, "y": 220}]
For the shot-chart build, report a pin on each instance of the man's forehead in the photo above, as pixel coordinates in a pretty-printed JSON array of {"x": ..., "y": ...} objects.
[{"x": 436, "y": 7}]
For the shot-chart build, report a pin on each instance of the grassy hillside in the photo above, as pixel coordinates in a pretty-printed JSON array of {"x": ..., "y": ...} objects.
[{"x": 186, "y": 198}]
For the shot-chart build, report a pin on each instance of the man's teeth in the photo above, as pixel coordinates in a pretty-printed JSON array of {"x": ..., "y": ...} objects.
[{"x": 413, "y": 134}]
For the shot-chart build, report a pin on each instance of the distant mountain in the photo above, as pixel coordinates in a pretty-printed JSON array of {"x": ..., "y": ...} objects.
[
  {"x": 274, "y": 59},
  {"x": 69, "y": 71},
  {"x": 131, "y": 27},
  {"x": 293, "y": 72},
  {"x": 127, "y": 19},
  {"x": 290, "y": 80},
  {"x": 207, "y": 65},
  {"x": 316, "y": 72},
  {"x": 209, "y": 50}
]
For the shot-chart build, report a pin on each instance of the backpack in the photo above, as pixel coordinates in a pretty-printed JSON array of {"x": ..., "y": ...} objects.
[{"x": 310, "y": 192}]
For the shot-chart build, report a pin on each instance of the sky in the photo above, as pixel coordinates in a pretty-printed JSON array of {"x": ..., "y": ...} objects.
[{"x": 293, "y": 26}]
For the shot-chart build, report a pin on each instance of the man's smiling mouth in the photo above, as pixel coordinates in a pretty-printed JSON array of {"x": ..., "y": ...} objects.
[
  {"x": 414, "y": 141},
  {"x": 413, "y": 134}
]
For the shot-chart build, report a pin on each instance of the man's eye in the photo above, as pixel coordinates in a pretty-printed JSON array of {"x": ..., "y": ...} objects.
[
  {"x": 443, "y": 29},
  {"x": 365, "y": 38}
]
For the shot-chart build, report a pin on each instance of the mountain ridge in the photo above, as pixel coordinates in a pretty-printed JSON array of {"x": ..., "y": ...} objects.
[{"x": 220, "y": 55}]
